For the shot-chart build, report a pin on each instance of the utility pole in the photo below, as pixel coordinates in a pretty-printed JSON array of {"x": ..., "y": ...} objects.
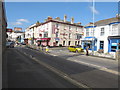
[
  {"x": 93, "y": 28},
  {"x": 33, "y": 36}
]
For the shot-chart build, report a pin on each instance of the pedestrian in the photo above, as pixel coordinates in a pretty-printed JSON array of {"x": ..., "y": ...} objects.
[
  {"x": 47, "y": 49},
  {"x": 87, "y": 53},
  {"x": 38, "y": 45},
  {"x": 42, "y": 47}
]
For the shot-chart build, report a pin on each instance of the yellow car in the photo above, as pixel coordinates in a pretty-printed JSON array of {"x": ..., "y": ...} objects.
[{"x": 75, "y": 49}]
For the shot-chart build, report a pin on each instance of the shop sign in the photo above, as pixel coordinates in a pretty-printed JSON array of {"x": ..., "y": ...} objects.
[{"x": 114, "y": 44}]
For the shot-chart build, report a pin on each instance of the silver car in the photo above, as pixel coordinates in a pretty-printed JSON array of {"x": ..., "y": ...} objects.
[{"x": 10, "y": 44}]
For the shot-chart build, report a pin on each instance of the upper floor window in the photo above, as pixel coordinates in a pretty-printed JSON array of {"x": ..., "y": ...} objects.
[
  {"x": 76, "y": 29},
  {"x": 56, "y": 34},
  {"x": 70, "y": 35},
  {"x": 102, "y": 31},
  {"x": 87, "y": 32},
  {"x": 45, "y": 34},
  {"x": 78, "y": 36},
  {"x": 57, "y": 25},
  {"x": 114, "y": 29},
  {"x": 69, "y": 27}
]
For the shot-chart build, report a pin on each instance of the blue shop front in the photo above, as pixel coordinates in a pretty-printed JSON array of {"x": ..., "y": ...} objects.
[
  {"x": 90, "y": 42},
  {"x": 114, "y": 43}
]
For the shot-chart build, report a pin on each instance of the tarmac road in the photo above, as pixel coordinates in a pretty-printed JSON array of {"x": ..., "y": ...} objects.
[
  {"x": 20, "y": 71},
  {"x": 90, "y": 76}
]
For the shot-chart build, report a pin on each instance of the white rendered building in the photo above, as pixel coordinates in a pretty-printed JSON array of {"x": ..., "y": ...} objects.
[
  {"x": 105, "y": 35},
  {"x": 55, "y": 32}
]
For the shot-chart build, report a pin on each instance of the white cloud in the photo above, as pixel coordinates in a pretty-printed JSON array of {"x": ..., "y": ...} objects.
[
  {"x": 16, "y": 23},
  {"x": 23, "y": 20},
  {"x": 93, "y": 9}
]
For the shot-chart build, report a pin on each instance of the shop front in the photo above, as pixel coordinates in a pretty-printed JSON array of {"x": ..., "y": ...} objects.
[
  {"x": 43, "y": 41},
  {"x": 114, "y": 43},
  {"x": 89, "y": 42}
]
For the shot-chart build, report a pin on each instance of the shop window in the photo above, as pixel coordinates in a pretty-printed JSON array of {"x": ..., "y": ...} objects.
[
  {"x": 119, "y": 44},
  {"x": 113, "y": 48},
  {"x": 88, "y": 44}
]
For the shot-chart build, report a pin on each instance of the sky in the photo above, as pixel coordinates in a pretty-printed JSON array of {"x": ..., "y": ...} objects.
[{"x": 24, "y": 14}]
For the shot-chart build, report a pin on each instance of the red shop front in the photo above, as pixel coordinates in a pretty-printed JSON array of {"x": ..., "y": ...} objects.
[{"x": 43, "y": 41}]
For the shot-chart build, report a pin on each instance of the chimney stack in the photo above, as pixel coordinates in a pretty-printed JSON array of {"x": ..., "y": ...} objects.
[
  {"x": 65, "y": 17},
  {"x": 58, "y": 18},
  {"x": 49, "y": 18},
  {"x": 72, "y": 20},
  {"x": 79, "y": 23}
]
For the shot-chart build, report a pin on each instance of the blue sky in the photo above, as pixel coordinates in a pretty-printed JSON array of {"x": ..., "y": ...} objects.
[{"x": 23, "y": 14}]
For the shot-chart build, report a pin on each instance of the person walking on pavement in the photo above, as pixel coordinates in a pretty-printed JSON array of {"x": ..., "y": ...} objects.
[
  {"x": 47, "y": 49},
  {"x": 87, "y": 53},
  {"x": 42, "y": 47}
]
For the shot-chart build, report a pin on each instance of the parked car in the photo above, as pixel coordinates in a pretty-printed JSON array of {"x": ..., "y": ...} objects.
[
  {"x": 23, "y": 43},
  {"x": 10, "y": 44},
  {"x": 75, "y": 49}
]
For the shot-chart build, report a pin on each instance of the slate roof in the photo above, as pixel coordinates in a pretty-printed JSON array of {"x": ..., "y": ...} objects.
[{"x": 106, "y": 21}]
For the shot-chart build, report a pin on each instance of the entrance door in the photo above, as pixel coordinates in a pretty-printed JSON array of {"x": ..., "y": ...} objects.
[{"x": 101, "y": 44}]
